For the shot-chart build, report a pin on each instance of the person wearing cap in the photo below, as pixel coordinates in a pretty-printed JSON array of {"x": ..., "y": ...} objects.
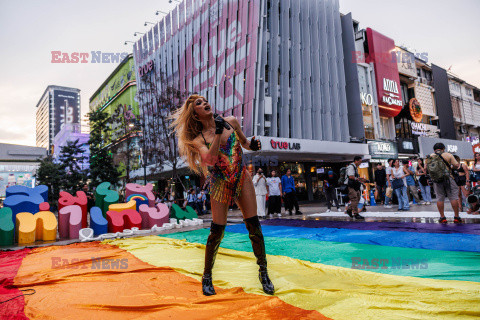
[
  {"x": 448, "y": 188},
  {"x": 329, "y": 184}
]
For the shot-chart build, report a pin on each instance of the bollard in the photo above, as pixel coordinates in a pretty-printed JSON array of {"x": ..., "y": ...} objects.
[{"x": 372, "y": 198}]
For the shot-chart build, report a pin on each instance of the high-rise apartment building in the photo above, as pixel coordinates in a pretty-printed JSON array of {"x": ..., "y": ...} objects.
[{"x": 57, "y": 107}]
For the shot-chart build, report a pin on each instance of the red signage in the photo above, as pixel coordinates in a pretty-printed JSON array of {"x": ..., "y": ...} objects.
[
  {"x": 476, "y": 148},
  {"x": 383, "y": 55},
  {"x": 284, "y": 145},
  {"x": 146, "y": 68}
]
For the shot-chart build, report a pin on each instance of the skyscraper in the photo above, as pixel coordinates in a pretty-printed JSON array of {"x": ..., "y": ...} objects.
[{"x": 57, "y": 106}]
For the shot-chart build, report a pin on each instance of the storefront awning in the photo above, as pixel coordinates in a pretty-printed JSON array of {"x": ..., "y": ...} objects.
[
  {"x": 310, "y": 150},
  {"x": 463, "y": 149}
]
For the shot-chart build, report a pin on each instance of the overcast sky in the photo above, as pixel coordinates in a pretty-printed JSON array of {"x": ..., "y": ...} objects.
[{"x": 30, "y": 29}]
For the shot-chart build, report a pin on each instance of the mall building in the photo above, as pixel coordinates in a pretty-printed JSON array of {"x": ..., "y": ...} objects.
[
  {"x": 18, "y": 165},
  {"x": 278, "y": 66},
  {"x": 116, "y": 97},
  {"x": 303, "y": 78}
]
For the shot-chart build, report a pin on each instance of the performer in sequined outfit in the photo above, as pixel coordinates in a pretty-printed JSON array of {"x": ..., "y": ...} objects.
[{"x": 208, "y": 140}]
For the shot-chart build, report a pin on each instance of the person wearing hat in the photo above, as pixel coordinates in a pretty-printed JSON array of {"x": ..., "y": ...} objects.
[{"x": 329, "y": 184}]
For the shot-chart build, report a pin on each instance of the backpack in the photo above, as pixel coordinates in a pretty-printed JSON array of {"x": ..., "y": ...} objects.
[
  {"x": 437, "y": 168},
  {"x": 342, "y": 176}
]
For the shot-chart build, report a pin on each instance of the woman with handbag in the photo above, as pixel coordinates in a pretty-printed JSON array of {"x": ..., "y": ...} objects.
[
  {"x": 462, "y": 179},
  {"x": 422, "y": 178},
  {"x": 400, "y": 185}
]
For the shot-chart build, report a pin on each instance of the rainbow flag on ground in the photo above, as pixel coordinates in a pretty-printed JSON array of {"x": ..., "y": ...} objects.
[{"x": 321, "y": 270}]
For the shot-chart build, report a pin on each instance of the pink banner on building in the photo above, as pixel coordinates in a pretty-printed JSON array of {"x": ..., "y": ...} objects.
[{"x": 216, "y": 43}]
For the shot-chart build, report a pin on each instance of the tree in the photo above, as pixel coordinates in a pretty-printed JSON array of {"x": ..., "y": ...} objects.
[
  {"x": 70, "y": 158},
  {"x": 158, "y": 99},
  {"x": 102, "y": 168},
  {"x": 124, "y": 138},
  {"x": 50, "y": 174}
]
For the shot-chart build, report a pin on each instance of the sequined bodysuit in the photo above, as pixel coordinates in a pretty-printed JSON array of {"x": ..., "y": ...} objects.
[{"x": 227, "y": 175}]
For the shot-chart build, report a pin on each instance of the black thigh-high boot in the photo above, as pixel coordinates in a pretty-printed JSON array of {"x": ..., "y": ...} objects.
[
  {"x": 256, "y": 237},
  {"x": 213, "y": 242}
]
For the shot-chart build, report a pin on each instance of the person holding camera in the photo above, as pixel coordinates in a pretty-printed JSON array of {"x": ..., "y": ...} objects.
[{"x": 260, "y": 184}]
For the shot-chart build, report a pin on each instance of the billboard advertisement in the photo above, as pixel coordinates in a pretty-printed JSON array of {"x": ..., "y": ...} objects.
[
  {"x": 8, "y": 179},
  {"x": 125, "y": 75},
  {"x": 66, "y": 106},
  {"x": 381, "y": 51},
  {"x": 214, "y": 53}
]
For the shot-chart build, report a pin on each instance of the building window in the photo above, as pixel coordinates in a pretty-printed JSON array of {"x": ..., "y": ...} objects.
[{"x": 368, "y": 122}]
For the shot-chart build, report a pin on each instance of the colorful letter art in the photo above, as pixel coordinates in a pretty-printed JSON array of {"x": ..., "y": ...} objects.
[{"x": 26, "y": 216}]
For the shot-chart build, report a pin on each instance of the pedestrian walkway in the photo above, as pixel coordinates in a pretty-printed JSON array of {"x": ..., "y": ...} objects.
[{"x": 418, "y": 213}]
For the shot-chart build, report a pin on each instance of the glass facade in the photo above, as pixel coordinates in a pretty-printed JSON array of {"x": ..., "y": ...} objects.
[{"x": 16, "y": 174}]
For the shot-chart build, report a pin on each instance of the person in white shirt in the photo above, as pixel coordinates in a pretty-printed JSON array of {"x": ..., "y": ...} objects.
[
  {"x": 260, "y": 184},
  {"x": 274, "y": 189},
  {"x": 388, "y": 170}
]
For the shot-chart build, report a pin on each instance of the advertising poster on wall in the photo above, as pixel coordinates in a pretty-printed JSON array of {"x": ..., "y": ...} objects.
[
  {"x": 67, "y": 109},
  {"x": 8, "y": 179}
]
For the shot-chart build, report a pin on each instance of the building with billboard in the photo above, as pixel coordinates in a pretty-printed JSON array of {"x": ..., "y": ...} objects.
[
  {"x": 57, "y": 106},
  {"x": 278, "y": 66},
  {"x": 72, "y": 132},
  {"x": 18, "y": 165},
  {"x": 116, "y": 97}
]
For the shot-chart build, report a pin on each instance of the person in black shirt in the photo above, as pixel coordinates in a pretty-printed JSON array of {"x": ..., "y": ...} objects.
[
  {"x": 380, "y": 182},
  {"x": 329, "y": 184}
]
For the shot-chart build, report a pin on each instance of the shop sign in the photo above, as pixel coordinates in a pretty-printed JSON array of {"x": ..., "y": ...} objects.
[
  {"x": 461, "y": 148},
  {"x": 284, "y": 145},
  {"x": 415, "y": 110},
  {"x": 367, "y": 99},
  {"x": 422, "y": 129},
  {"x": 451, "y": 148},
  {"x": 387, "y": 78},
  {"x": 391, "y": 95},
  {"x": 407, "y": 146},
  {"x": 382, "y": 149},
  {"x": 476, "y": 148},
  {"x": 320, "y": 170}
]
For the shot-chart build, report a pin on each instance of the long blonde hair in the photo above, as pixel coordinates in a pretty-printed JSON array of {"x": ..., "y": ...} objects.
[{"x": 187, "y": 128}]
